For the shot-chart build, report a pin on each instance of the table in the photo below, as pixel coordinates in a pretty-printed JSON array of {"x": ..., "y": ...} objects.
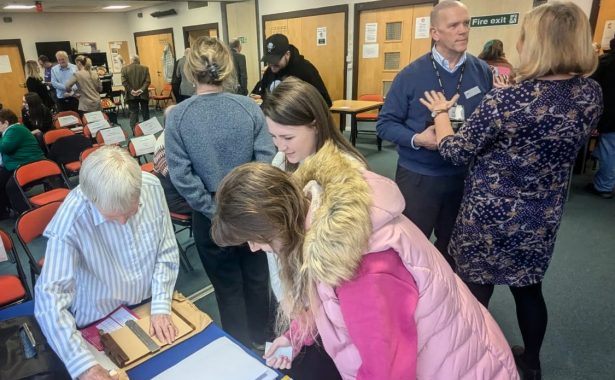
[
  {"x": 158, "y": 363},
  {"x": 352, "y": 108}
]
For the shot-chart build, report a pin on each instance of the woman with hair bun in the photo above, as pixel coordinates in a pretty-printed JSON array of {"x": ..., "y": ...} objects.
[
  {"x": 88, "y": 85},
  {"x": 207, "y": 136}
]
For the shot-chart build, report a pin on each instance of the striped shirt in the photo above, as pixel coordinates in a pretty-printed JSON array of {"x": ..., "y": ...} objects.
[{"x": 92, "y": 266}]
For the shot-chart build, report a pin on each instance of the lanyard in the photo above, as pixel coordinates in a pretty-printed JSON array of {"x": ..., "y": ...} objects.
[{"x": 463, "y": 67}]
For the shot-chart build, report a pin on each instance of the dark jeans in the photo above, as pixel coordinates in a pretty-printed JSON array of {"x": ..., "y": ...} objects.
[
  {"x": 10, "y": 196},
  {"x": 432, "y": 203},
  {"x": 313, "y": 362},
  {"x": 241, "y": 283},
  {"x": 68, "y": 104},
  {"x": 133, "y": 107}
]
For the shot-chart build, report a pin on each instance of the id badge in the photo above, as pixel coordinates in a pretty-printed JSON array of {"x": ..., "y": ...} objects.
[{"x": 456, "y": 113}]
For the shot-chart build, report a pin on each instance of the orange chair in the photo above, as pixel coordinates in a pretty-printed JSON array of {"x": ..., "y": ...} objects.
[
  {"x": 137, "y": 131},
  {"x": 87, "y": 152},
  {"x": 182, "y": 222},
  {"x": 100, "y": 139},
  {"x": 56, "y": 119},
  {"x": 31, "y": 225},
  {"x": 85, "y": 121},
  {"x": 54, "y": 135},
  {"x": 165, "y": 96},
  {"x": 13, "y": 288},
  {"x": 146, "y": 166},
  {"x": 35, "y": 173},
  {"x": 370, "y": 116}
]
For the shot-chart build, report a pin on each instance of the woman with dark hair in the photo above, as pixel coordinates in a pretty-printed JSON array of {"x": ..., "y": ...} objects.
[
  {"x": 34, "y": 83},
  {"x": 493, "y": 54},
  {"x": 35, "y": 115}
]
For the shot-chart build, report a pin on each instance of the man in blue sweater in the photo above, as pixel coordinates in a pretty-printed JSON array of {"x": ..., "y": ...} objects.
[{"x": 432, "y": 187}]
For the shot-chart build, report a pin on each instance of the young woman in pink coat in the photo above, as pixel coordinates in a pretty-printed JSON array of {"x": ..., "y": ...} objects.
[{"x": 358, "y": 273}]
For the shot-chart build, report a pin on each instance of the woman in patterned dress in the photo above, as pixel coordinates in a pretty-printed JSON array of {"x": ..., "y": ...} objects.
[{"x": 522, "y": 140}]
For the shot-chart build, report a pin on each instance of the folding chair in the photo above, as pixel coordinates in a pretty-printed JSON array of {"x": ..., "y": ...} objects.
[
  {"x": 165, "y": 96},
  {"x": 87, "y": 152},
  {"x": 54, "y": 135},
  {"x": 100, "y": 138},
  {"x": 56, "y": 119},
  {"x": 183, "y": 222},
  {"x": 31, "y": 225},
  {"x": 40, "y": 172},
  {"x": 371, "y": 115},
  {"x": 146, "y": 166},
  {"x": 13, "y": 288}
]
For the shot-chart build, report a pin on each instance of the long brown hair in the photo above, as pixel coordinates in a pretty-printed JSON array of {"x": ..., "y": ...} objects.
[{"x": 298, "y": 103}]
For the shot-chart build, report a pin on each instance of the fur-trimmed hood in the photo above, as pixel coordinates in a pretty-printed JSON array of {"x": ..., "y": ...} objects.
[{"x": 343, "y": 213}]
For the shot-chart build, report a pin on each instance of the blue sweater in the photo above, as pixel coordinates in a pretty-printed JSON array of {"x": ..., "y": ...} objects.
[
  {"x": 206, "y": 137},
  {"x": 403, "y": 116}
]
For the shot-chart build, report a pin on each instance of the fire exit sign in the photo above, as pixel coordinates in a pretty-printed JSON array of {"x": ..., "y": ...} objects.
[{"x": 495, "y": 20}]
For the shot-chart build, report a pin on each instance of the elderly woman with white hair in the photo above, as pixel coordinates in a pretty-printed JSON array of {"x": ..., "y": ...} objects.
[{"x": 111, "y": 243}]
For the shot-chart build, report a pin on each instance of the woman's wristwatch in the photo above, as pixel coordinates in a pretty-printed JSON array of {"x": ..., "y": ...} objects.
[{"x": 435, "y": 113}]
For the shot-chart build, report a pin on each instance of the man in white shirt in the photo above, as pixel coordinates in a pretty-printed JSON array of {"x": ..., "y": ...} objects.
[{"x": 111, "y": 243}]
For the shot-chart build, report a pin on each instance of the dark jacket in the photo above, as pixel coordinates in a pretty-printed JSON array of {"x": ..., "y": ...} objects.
[
  {"x": 605, "y": 76},
  {"x": 242, "y": 73},
  {"x": 298, "y": 67},
  {"x": 44, "y": 123},
  {"x": 37, "y": 86},
  {"x": 136, "y": 77}
]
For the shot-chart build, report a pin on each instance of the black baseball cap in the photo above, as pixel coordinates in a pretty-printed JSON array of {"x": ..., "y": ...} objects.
[{"x": 275, "y": 47}]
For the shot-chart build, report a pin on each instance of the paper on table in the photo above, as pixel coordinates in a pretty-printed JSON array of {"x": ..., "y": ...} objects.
[
  {"x": 97, "y": 126},
  {"x": 94, "y": 116},
  {"x": 151, "y": 126},
  {"x": 113, "y": 135},
  {"x": 144, "y": 144},
  {"x": 221, "y": 359},
  {"x": 68, "y": 120}
]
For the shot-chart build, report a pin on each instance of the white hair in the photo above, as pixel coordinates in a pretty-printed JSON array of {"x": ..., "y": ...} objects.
[
  {"x": 111, "y": 178},
  {"x": 61, "y": 53}
]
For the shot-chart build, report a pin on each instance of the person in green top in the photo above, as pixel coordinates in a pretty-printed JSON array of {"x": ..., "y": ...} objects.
[{"x": 17, "y": 146}]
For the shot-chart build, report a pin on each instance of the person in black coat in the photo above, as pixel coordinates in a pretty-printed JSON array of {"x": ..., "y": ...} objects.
[
  {"x": 240, "y": 67},
  {"x": 35, "y": 115},
  {"x": 34, "y": 83},
  {"x": 284, "y": 60}
]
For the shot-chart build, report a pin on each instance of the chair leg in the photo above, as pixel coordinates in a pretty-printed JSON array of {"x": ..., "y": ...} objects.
[{"x": 183, "y": 258}]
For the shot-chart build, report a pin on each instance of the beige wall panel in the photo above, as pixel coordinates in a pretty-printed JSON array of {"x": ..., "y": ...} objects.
[
  {"x": 507, "y": 33},
  {"x": 241, "y": 19}
]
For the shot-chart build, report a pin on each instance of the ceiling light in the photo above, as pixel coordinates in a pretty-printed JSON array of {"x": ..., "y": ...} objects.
[
  {"x": 117, "y": 7},
  {"x": 19, "y": 6}
]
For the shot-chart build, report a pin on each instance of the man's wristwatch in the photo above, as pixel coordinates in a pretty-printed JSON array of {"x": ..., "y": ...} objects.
[{"x": 435, "y": 113}]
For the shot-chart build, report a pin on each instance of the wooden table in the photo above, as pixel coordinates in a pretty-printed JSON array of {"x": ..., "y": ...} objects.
[{"x": 352, "y": 108}]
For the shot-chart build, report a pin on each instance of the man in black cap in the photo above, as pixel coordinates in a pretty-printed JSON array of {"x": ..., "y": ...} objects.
[{"x": 284, "y": 60}]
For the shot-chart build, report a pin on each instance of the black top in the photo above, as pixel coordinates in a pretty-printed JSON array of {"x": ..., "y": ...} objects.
[
  {"x": 298, "y": 67},
  {"x": 605, "y": 76},
  {"x": 242, "y": 73},
  {"x": 43, "y": 123},
  {"x": 35, "y": 85}
]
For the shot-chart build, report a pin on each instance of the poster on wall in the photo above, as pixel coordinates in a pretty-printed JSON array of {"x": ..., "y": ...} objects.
[
  {"x": 321, "y": 36},
  {"x": 119, "y": 55},
  {"x": 86, "y": 47},
  {"x": 422, "y": 28},
  {"x": 608, "y": 34},
  {"x": 371, "y": 32},
  {"x": 5, "y": 64},
  {"x": 370, "y": 50}
]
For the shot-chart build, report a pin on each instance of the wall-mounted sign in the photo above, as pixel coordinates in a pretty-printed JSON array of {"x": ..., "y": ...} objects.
[
  {"x": 321, "y": 36},
  {"x": 495, "y": 20}
]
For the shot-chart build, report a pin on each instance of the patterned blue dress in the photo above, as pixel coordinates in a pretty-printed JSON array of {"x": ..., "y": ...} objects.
[{"x": 521, "y": 142}]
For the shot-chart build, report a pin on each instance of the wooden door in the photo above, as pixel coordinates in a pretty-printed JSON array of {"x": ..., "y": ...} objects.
[
  {"x": 150, "y": 49},
  {"x": 387, "y": 44},
  {"x": 328, "y": 58},
  {"x": 194, "y": 34},
  {"x": 12, "y": 78}
]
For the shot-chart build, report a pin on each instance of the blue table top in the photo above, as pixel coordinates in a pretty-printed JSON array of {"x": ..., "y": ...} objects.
[{"x": 158, "y": 363}]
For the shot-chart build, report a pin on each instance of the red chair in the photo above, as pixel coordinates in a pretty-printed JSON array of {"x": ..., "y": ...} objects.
[
  {"x": 165, "y": 96},
  {"x": 13, "y": 288},
  {"x": 31, "y": 225},
  {"x": 56, "y": 119},
  {"x": 87, "y": 152},
  {"x": 85, "y": 121},
  {"x": 40, "y": 172},
  {"x": 146, "y": 166},
  {"x": 54, "y": 135},
  {"x": 100, "y": 139},
  {"x": 183, "y": 222},
  {"x": 370, "y": 116}
]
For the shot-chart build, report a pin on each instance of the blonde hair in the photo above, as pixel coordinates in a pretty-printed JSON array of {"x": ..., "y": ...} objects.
[
  {"x": 33, "y": 70},
  {"x": 555, "y": 39},
  {"x": 87, "y": 65},
  {"x": 210, "y": 62}
]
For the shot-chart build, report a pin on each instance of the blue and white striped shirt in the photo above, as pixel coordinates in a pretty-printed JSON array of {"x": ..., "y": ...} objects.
[{"x": 92, "y": 266}]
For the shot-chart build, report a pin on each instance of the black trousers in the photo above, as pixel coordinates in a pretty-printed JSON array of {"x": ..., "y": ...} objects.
[
  {"x": 313, "y": 363},
  {"x": 241, "y": 283},
  {"x": 133, "y": 107},
  {"x": 68, "y": 104},
  {"x": 432, "y": 203}
]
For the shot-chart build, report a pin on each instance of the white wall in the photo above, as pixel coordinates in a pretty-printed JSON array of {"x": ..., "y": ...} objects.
[{"x": 185, "y": 17}]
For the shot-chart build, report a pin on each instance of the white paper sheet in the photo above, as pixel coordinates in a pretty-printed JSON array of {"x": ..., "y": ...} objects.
[
  {"x": 113, "y": 135},
  {"x": 94, "y": 116},
  {"x": 3, "y": 255},
  {"x": 421, "y": 29},
  {"x": 371, "y": 32},
  {"x": 96, "y": 126},
  {"x": 608, "y": 33},
  {"x": 144, "y": 144},
  {"x": 151, "y": 126},
  {"x": 370, "y": 50},
  {"x": 321, "y": 36},
  {"x": 65, "y": 121},
  {"x": 5, "y": 64},
  {"x": 221, "y": 359}
]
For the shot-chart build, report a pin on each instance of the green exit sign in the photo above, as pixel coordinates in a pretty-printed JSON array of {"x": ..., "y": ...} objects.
[{"x": 495, "y": 20}]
